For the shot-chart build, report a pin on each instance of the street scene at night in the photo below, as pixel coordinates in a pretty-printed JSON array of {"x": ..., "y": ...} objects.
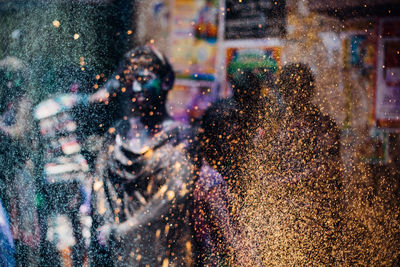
[{"x": 199, "y": 133}]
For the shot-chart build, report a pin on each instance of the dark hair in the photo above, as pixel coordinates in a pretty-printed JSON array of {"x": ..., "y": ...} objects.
[
  {"x": 246, "y": 86},
  {"x": 220, "y": 125},
  {"x": 296, "y": 81},
  {"x": 155, "y": 59}
]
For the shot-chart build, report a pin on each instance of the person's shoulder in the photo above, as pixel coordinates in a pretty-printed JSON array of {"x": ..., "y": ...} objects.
[
  {"x": 324, "y": 121},
  {"x": 330, "y": 124}
]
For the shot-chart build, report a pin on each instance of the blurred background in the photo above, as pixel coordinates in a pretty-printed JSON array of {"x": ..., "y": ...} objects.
[{"x": 352, "y": 47}]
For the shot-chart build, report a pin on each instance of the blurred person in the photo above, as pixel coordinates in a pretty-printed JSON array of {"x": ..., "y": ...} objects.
[
  {"x": 256, "y": 112},
  {"x": 14, "y": 110},
  {"x": 258, "y": 103},
  {"x": 221, "y": 239},
  {"x": 305, "y": 129},
  {"x": 306, "y": 162},
  {"x": 144, "y": 177},
  {"x": 288, "y": 208},
  {"x": 229, "y": 133},
  {"x": 17, "y": 175},
  {"x": 65, "y": 121}
]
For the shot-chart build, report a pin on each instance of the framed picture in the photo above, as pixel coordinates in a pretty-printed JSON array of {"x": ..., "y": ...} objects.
[{"x": 387, "y": 91}]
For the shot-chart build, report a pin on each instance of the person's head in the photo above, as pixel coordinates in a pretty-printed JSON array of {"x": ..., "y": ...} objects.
[
  {"x": 146, "y": 76},
  {"x": 247, "y": 88},
  {"x": 220, "y": 136},
  {"x": 296, "y": 84}
]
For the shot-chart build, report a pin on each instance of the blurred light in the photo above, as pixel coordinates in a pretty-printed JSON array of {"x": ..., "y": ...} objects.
[
  {"x": 56, "y": 23},
  {"x": 71, "y": 147},
  {"x": 76, "y": 36},
  {"x": 16, "y": 34}
]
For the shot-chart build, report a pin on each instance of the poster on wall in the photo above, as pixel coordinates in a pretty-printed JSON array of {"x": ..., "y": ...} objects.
[
  {"x": 359, "y": 75},
  {"x": 263, "y": 58},
  {"x": 253, "y": 19},
  {"x": 359, "y": 52},
  {"x": 193, "y": 38},
  {"x": 387, "y": 95}
]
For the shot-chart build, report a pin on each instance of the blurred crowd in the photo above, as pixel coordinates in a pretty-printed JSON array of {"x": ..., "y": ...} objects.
[{"x": 111, "y": 179}]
